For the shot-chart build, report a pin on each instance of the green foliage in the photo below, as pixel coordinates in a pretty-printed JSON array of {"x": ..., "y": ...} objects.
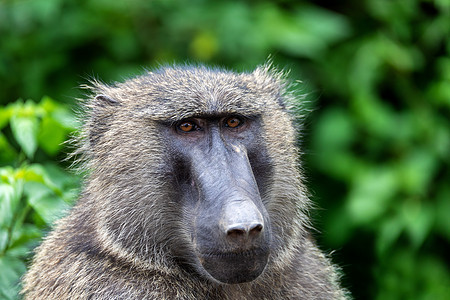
[
  {"x": 383, "y": 142},
  {"x": 40, "y": 38},
  {"x": 34, "y": 190},
  {"x": 377, "y": 142}
]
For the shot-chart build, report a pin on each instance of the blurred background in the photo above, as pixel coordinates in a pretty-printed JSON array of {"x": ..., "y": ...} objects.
[{"x": 376, "y": 142}]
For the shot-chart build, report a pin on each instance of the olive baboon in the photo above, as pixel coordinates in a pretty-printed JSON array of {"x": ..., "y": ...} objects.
[{"x": 193, "y": 192}]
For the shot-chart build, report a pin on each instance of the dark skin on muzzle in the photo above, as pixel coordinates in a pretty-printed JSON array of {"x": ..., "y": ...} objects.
[{"x": 231, "y": 229}]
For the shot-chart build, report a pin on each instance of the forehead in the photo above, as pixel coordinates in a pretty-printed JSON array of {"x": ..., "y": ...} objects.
[{"x": 174, "y": 94}]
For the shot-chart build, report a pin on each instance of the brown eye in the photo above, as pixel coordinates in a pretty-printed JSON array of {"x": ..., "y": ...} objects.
[
  {"x": 233, "y": 122},
  {"x": 187, "y": 126}
]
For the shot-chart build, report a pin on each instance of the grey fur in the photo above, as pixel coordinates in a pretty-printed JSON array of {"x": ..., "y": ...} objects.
[{"x": 116, "y": 242}]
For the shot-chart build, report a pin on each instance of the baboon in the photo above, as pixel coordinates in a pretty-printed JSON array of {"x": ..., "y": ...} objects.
[{"x": 193, "y": 191}]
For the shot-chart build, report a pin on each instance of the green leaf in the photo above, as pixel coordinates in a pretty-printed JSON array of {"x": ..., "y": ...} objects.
[
  {"x": 66, "y": 118},
  {"x": 59, "y": 113},
  {"x": 10, "y": 194},
  {"x": 48, "y": 104},
  {"x": 388, "y": 234},
  {"x": 38, "y": 173},
  {"x": 25, "y": 130},
  {"x": 7, "y": 152},
  {"x": 4, "y": 239},
  {"x": 24, "y": 238},
  {"x": 44, "y": 201},
  {"x": 307, "y": 32},
  {"x": 7, "y": 203},
  {"x": 418, "y": 218},
  {"x": 335, "y": 133},
  {"x": 51, "y": 136},
  {"x": 59, "y": 178},
  {"x": 416, "y": 170},
  {"x": 12, "y": 269},
  {"x": 370, "y": 195},
  {"x": 5, "y": 115},
  {"x": 335, "y": 130}
]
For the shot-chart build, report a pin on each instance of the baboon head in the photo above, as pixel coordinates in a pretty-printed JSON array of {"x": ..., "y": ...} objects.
[{"x": 197, "y": 167}]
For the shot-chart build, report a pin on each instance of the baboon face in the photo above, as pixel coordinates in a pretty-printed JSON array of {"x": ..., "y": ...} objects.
[
  {"x": 215, "y": 159},
  {"x": 186, "y": 160}
]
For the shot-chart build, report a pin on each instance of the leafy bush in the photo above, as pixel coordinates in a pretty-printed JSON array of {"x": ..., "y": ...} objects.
[
  {"x": 381, "y": 150},
  {"x": 34, "y": 190}
]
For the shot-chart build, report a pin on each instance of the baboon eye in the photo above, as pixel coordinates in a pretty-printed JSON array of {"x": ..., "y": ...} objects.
[
  {"x": 187, "y": 126},
  {"x": 233, "y": 122}
]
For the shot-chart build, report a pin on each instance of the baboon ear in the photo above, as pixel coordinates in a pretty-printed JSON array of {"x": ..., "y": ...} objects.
[
  {"x": 102, "y": 109},
  {"x": 103, "y": 100}
]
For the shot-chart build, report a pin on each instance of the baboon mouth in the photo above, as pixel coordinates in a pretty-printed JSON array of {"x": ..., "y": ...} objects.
[
  {"x": 234, "y": 254},
  {"x": 235, "y": 267}
]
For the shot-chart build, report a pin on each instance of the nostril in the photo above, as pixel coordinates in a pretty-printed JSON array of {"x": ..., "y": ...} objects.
[
  {"x": 256, "y": 229},
  {"x": 236, "y": 231},
  {"x": 244, "y": 230}
]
